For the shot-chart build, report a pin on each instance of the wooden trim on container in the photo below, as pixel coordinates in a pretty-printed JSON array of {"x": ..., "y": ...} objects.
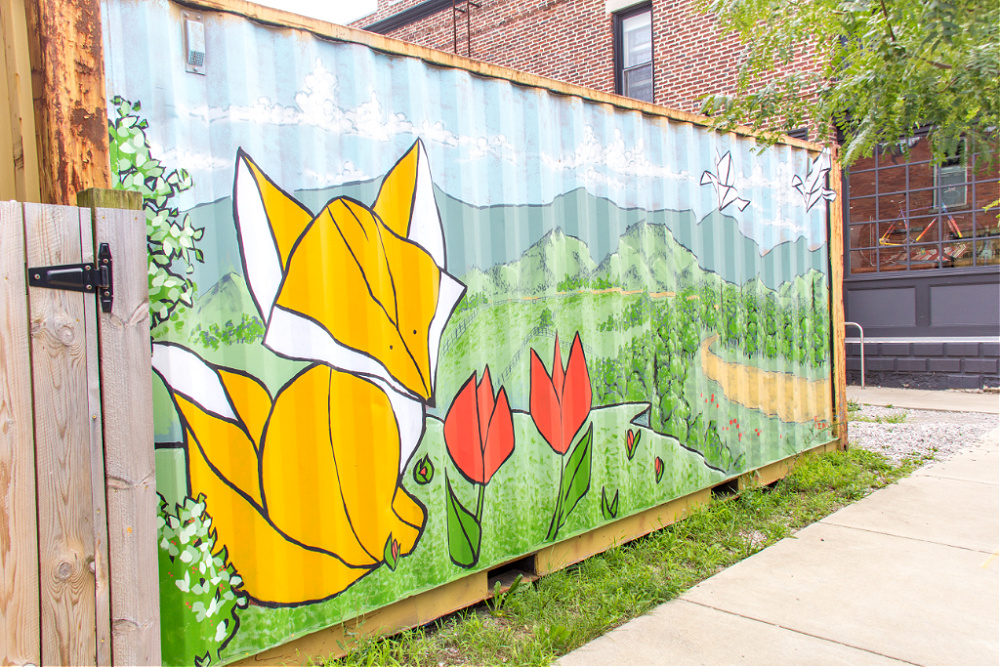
[
  {"x": 835, "y": 243},
  {"x": 414, "y": 611},
  {"x": 772, "y": 472},
  {"x": 333, "y": 31},
  {"x": 575, "y": 549}
]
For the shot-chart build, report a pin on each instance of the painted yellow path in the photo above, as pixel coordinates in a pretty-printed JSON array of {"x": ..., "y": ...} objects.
[{"x": 786, "y": 396}]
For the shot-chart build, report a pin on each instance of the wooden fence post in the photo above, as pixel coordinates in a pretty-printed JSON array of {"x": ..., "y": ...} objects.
[
  {"x": 67, "y": 68},
  {"x": 126, "y": 392},
  {"x": 20, "y": 642}
]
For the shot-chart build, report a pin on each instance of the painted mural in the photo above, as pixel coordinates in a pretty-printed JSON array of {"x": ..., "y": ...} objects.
[{"x": 410, "y": 323}]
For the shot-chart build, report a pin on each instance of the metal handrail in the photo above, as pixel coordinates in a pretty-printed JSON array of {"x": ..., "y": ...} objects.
[{"x": 861, "y": 329}]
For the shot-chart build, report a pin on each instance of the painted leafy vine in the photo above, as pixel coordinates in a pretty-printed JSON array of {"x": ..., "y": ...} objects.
[{"x": 171, "y": 238}]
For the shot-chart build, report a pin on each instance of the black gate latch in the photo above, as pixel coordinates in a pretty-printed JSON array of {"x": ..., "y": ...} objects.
[{"x": 89, "y": 278}]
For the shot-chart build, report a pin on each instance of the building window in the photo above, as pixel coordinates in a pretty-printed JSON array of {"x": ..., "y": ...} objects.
[
  {"x": 915, "y": 216},
  {"x": 634, "y": 53},
  {"x": 950, "y": 189}
]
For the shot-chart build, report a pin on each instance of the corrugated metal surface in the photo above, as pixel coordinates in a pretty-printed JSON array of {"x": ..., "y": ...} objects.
[{"x": 412, "y": 322}]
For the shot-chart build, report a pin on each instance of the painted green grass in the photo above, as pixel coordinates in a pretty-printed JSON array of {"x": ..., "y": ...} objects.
[
  {"x": 521, "y": 497},
  {"x": 519, "y": 502},
  {"x": 537, "y": 623}
]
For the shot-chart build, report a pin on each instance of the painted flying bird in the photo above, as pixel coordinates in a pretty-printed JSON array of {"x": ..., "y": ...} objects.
[
  {"x": 814, "y": 188},
  {"x": 724, "y": 183}
]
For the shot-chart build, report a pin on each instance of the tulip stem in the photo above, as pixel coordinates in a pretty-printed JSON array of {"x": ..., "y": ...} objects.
[
  {"x": 479, "y": 503},
  {"x": 557, "y": 519}
]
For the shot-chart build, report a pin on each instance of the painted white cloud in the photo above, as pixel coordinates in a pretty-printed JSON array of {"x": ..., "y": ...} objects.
[
  {"x": 616, "y": 157},
  {"x": 189, "y": 160},
  {"x": 317, "y": 105},
  {"x": 347, "y": 172}
]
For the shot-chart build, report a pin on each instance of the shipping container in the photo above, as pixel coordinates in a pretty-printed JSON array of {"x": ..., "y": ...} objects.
[{"x": 416, "y": 317}]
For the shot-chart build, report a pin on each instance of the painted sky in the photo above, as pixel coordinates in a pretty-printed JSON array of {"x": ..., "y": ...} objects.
[{"x": 316, "y": 114}]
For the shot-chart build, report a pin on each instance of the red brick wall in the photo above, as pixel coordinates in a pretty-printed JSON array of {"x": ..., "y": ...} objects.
[{"x": 573, "y": 41}]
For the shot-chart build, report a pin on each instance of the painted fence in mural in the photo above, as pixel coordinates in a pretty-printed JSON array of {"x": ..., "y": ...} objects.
[{"x": 411, "y": 323}]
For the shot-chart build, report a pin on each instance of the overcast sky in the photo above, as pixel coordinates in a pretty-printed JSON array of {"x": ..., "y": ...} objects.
[{"x": 334, "y": 11}]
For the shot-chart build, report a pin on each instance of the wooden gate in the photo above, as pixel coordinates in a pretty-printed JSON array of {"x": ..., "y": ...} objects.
[{"x": 77, "y": 484}]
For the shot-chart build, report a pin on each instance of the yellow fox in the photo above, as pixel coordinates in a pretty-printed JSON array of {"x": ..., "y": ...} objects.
[{"x": 304, "y": 488}]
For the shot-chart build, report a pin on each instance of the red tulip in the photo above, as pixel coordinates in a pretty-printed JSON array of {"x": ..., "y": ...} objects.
[
  {"x": 479, "y": 430},
  {"x": 560, "y": 403}
]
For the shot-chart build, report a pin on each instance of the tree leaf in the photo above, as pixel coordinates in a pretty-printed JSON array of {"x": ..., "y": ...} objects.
[{"x": 464, "y": 531}]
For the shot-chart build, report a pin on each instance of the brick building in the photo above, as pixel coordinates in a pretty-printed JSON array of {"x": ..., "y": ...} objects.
[{"x": 922, "y": 252}]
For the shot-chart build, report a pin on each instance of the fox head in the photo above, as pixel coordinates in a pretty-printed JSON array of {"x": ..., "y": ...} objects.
[{"x": 363, "y": 289}]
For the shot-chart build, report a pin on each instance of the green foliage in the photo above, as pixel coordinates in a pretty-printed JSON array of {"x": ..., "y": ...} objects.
[
  {"x": 791, "y": 323},
  {"x": 878, "y": 69},
  {"x": 249, "y": 330},
  {"x": 171, "y": 240},
  {"x": 571, "y": 284},
  {"x": 200, "y": 592},
  {"x": 635, "y": 314},
  {"x": 545, "y": 320},
  {"x": 470, "y": 301}
]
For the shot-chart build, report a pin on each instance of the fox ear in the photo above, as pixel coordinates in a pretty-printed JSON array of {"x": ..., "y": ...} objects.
[
  {"x": 269, "y": 222},
  {"x": 406, "y": 204}
]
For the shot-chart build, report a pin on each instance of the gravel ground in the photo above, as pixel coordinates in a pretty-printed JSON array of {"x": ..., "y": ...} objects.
[{"x": 922, "y": 433}]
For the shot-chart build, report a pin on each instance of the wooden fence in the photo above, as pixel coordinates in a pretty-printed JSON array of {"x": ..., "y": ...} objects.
[{"x": 77, "y": 485}]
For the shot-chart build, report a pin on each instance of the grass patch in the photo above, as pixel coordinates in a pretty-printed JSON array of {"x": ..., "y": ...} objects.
[
  {"x": 536, "y": 623},
  {"x": 898, "y": 418}
]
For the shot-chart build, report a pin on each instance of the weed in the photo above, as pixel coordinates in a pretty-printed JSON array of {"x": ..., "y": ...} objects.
[
  {"x": 898, "y": 418},
  {"x": 534, "y": 623},
  {"x": 853, "y": 406}
]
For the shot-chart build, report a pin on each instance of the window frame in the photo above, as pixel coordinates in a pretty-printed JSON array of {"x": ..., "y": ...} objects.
[
  {"x": 957, "y": 164},
  {"x": 619, "y": 47}
]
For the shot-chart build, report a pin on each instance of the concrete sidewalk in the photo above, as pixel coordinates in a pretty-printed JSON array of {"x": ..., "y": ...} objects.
[
  {"x": 910, "y": 575},
  {"x": 924, "y": 399}
]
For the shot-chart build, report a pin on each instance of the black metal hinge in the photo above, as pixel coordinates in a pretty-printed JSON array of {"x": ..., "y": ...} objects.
[{"x": 89, "y": 277}]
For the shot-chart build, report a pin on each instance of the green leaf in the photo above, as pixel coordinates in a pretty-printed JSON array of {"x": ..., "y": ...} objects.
[
  {"x": 609, "y": 510},
  {"x": 575, "y": 481},
  {"x": 464, "y": 531}
]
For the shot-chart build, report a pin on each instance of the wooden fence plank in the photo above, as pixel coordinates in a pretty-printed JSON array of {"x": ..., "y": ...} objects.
[
  {"x": 8, "y": 189},
  {"x": 62, "y": 442},
  {"x": 102, "y": 586},
  {"x": 19, "y": 611},
  {"x": 126, "y": 386},
  {"x": 20, "y": 106}
]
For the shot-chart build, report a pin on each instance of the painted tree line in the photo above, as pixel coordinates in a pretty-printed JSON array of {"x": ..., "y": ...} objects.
[{"x": 752, "y": 321}]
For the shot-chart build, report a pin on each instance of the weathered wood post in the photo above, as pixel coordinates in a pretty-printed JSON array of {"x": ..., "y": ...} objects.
[{"x": 71, "y": 118}]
